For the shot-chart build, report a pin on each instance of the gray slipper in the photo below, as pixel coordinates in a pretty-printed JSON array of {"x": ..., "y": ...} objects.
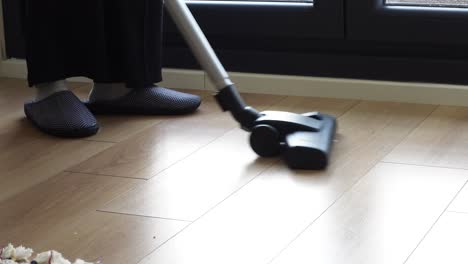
[
  {"x": 62, "y": 114},
  {"x": 150, "y": 101}
]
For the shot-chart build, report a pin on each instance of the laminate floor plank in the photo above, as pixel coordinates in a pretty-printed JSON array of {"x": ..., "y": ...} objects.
[
  {"x": 155, "y": 149},
  {"x": 381, "y": 219},
  {"x": 258, "y": 221},
  {"x": 441, "y": 140},
  {"x": 189, "y": 188},
  {"x": 60, "y": 214}
]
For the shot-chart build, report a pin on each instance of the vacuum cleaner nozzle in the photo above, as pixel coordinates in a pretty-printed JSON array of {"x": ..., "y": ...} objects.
[{"x": 304, "y": 140}]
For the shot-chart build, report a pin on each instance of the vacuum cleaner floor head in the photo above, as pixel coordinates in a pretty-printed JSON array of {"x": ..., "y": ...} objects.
[{"x": 304, "y": 141}]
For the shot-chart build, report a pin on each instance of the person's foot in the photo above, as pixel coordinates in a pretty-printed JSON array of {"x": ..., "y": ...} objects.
[
  {"x": 147, "y": 101},
  {"x": 107, "y": 91},
  {"x": 61, "y": 114}
]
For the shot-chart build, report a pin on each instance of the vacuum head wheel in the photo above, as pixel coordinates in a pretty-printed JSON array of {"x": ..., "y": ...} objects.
[{"x": 265, "y": 141}]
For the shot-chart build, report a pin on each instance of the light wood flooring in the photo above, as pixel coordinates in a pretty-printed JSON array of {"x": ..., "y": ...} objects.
[{"x": 188, "y": 189}]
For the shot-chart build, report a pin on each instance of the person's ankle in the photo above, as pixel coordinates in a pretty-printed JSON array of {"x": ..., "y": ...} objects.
[
  {"x": 44, "y": 90},
  {"x": 107, "y": 91}
]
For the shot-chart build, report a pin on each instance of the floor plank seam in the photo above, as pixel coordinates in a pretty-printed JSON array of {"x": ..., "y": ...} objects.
[
  {"x": 118, "y": 177},
  {"x": 338, "y": 118},
  {"x": 324, "y": 211},
  {"x": 176, "y": 162},
  {"x": 207, "y": 144},
  {"x": 155, "y": 122},
  {"x": 273, "y": 104},
  {"x": 30, "y": 187},
  {"x": 102, "y": 141},
  {"x": 423, "y": 165},
  {"x": 354, "y": 105},
  {"x": 121, "y": 195},
  {"x": 350, "y": 187},
  {"x": 303, "y": 230},
  {"x": 411, "y": 131},
  {"x": 106, "y": 175},
  {"x": 350, "y": 108},
  {"x": 435, "y": 222},
  {"x": 281, "y": 99},
  {"x": 456, "y": 212},
  {"x": 144, "y": 216},
  {"x": 212, "y": 208},
  {"x": 186, "y": 156}
]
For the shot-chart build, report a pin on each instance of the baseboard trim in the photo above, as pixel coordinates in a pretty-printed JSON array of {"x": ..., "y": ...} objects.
[
  {"x": 424, "y": 93},
  {"x": 174, "y": 78}
]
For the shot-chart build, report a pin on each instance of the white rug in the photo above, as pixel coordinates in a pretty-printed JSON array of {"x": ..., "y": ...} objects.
[{"x": 22, "y": 255}]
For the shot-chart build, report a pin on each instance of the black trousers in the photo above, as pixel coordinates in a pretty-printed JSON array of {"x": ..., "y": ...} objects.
[{"x": 104, "y": 40}]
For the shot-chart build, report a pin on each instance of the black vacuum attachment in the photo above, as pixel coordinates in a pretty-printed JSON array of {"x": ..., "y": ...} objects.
[{"x": 304, "y": 140}]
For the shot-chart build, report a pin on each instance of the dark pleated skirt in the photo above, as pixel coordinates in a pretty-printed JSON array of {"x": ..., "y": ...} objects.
[{"x": 105, "y": 40}]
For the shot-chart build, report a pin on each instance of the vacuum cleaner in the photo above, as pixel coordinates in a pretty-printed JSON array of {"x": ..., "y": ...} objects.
[{"x": 304, "y": 140}]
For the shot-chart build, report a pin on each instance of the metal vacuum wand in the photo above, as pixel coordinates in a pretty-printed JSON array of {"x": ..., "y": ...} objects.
[{"x": 198, "y": 43}]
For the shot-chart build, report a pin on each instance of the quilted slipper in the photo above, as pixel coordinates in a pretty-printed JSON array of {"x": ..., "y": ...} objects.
[
  {"x": 62, "y": 114},
  {"x": 150, "y": 101}
]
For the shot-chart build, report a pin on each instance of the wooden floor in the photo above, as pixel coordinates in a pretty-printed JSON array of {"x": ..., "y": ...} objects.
[{"x": 188, "y": 189}]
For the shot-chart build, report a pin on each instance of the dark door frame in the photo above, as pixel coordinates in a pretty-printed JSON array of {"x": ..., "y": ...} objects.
[
  {"x": 236, "y": 19},
  {"x": 376, "y": 21}
]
